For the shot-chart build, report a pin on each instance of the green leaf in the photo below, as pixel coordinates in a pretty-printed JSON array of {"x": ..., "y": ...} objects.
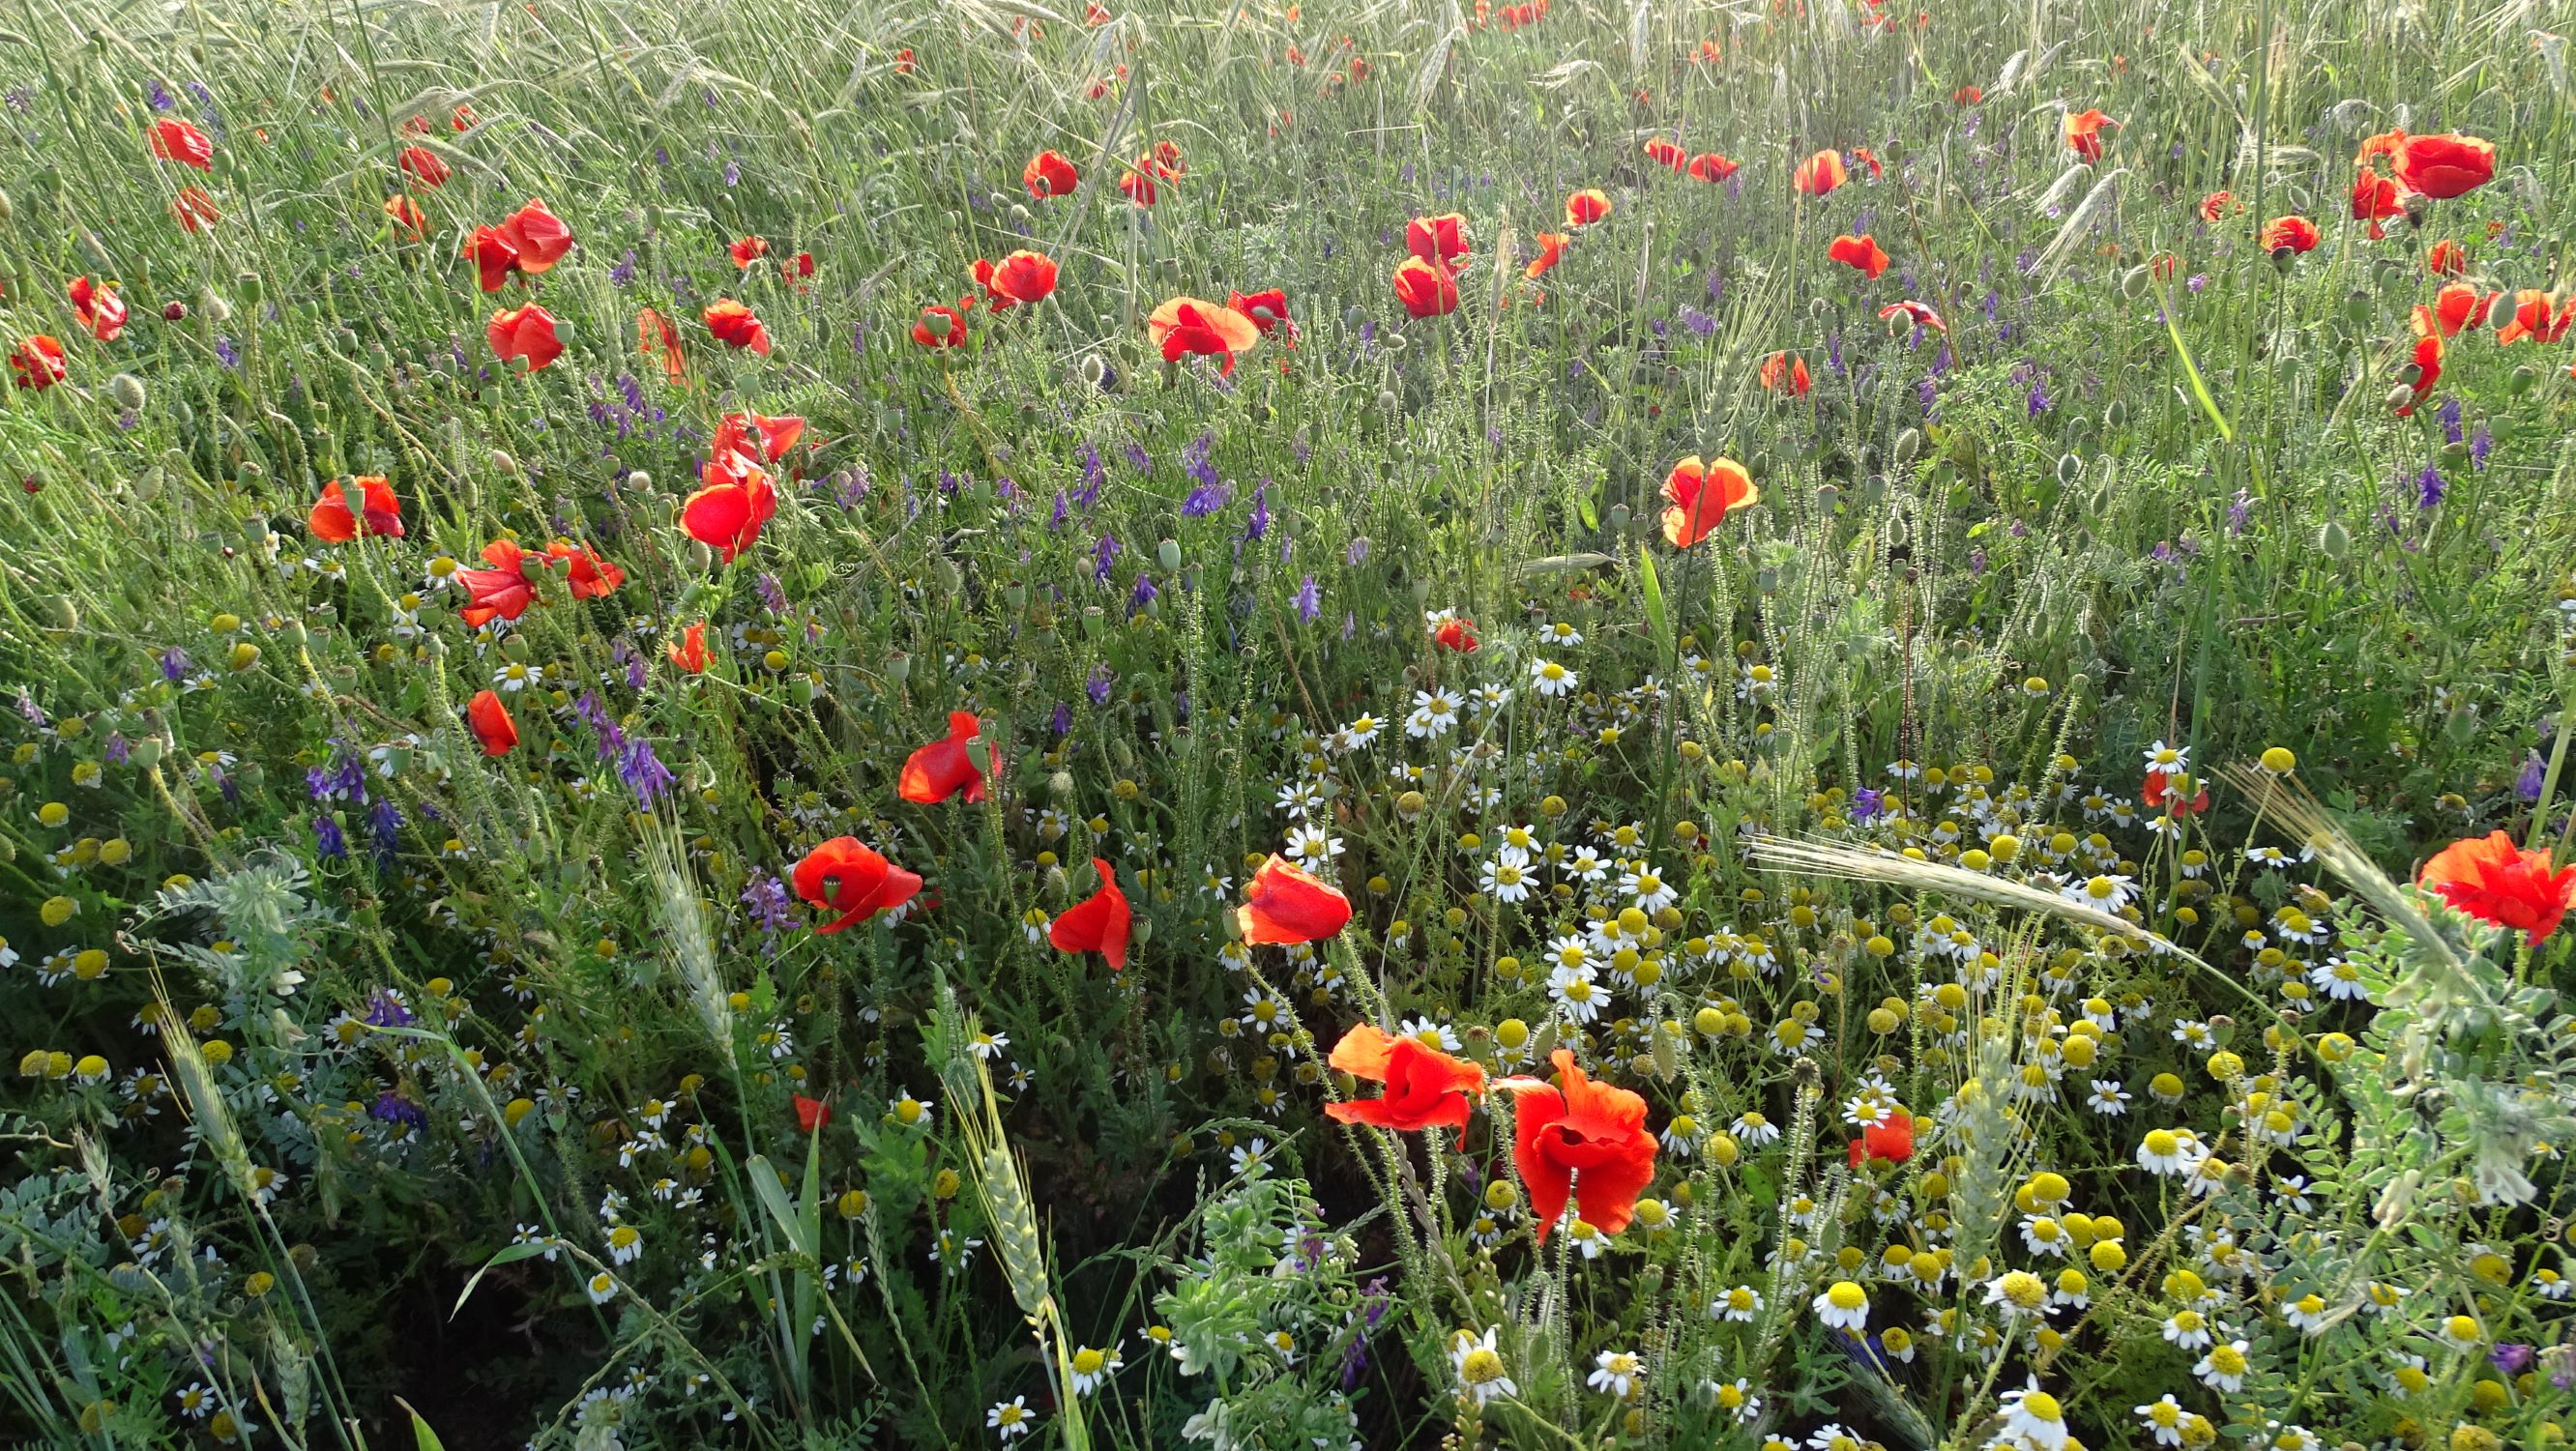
[
  {"x": 510, "y": 1254},
  {"x": 425, "y": 1438}
]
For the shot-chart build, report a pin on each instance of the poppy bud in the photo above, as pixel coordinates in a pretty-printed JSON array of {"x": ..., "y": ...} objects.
[
  {"x": 1094, "y": 370},
  {"x": 248, "y": 286},
  {"x": 2116, "y": 415},
  {"x": 1394, "y": 343},
  {"x": 127, "y": 390},
  {"x": 2283, "y": 257},
  {"x": 2401, "y": 396},
  {"x": 2333, "y": 540},
  {"x": 1054, "y": 884},
  {"x": 8, "y": 208},
  {"x": 2069, "y": 468},
  {"x": 174, "y": 312},
  {"x": 2133, "y": 283},
  {"x": 701, "y": 558},
  {"x": 218, "y": 311},
  {"x": 2518, "y": 382},
  {"x": 1169, "y": 552},
  {"x": 1386, "y": 400},
  {"x": 1909, "y": 444},
  {"x": 502, "y": 463},
  {"x": 2503, "y": 427}
]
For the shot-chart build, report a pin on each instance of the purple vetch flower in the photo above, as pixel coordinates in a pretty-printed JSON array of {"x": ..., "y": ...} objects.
[
  {"x": 174, "y": 665},
  {"x": 1206, "y": 499},
  {"x": 854, "y": 485},
  {"x": 593, "y": 712},
  {"x": 162, "y": 100},
  {"x": 2479, "y": 444},
  {"x": 1867, "y": 802},
  {"x": 733, "y": 173},
  {"x": 2535, "y": 774},
  {"x": 393, "y": 1108},
  {"x": 2450, "y": 416},
  {"x": 1142, "y": 595},
  {"x": 773, "y": 596},
  {"x": 328, "y": 843},
  {"x": 1095, "y": 475},
  {"x": 1137, "y": 458},
  {"x": 2239, "y": 510},
  {"x": 119, "y": 750},
  {"x": 341, "y": 778},
  {"x": 1197, "y": 459},
  {"x": 385, "y": 821},
  {"x": 643, "y": 772},
  {"x": 1062, "y": 721},
  {"x": 1976, "y": 562},
  {"x": 229, "y": 351},
  {"x": 1097, "y": 685},
  {"x": 766, "y": 896},
  {"x": 2429, "y": 487},
  {"x": 384, "y": 1010},
  {"x": 1259, "y": 524},
  {"x": 1057, "y": 519},
  {"x": 2511, "y": 1358},
  {"x": 1103, "y": 555},
  {"x": 1700, "y": 323},
  {"x": 622, "y": 274},
  {"x": 1309, "y": 600},
  {"x": 2039, "y": 400},
  {"x": 1358, "y": 553},
  {"x": 29, "y": 711}
]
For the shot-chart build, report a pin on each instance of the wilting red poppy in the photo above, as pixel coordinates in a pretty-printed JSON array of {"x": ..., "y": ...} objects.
[
  {"x": 175, "y": 140},
  {"x": 1023, "y": 277},
  {"x": 1441, "y": 240},
  {"x": 1891, "y": 1139},
  {"x": 735, "y": 326},
  {"x": 1425, "y": 1088},
  {"x": 796, "y": 269},
  {"x": 1456, "y": 633},
  {"x": 944, "y": 768},
  {"x": 407, "y": 215},
  {"x": 747, "y": 250},
  {"x": 1268, "y": 310},
  {"x": 690, "y": 651},
  {"x": 2374, "y": 200},
  {"x": 2495, "y": 881},
  {"x": 2459, "y": 305},
  {"x": 424, "y": 166},
  {"x": 1921, "y": 314},
  {"x": 2446, "y": 259},
  {"x": 1711, "y": 167},
  {"x": 2162, "y": 794},
  {"x": 1551, "y": 250},
  {"x": 1586, "y": 207},
  {"x": 1782, "y": 371},
  {"x": 2532, "y": 318},
  {"x": 501, "y": 592},
  {"x": 812, "y": 1114},
  {"x": 526, "y": 332},
  {"x": 194, "y": 209},
  {"x": 1138, "y": 186},
  {"x": 1581, "y": 1140},
  {"x": 1664, "y": 153},
  {"x": 38, "y": 362},
  {"x": 1862, "y": 252},
  {"x": 1049, "y": 174},
  {"x": 2215, "y": 205},
  {"x": 1167, "y": 159},
  {"x": 1698, "y": 497},
  {"x": 1868, "y": 158},
  {"x": 2084, "y": 133},
  {"x": 727, "y": 513},
  {"x": 333, "y": 522},
  {"x": 903, "y": 61},
  {"x": 461, "y": 119},
  {"x": 494, "y": 258},
  {"x": 1820, "y": 173},
  {"x": 659, "y": 337},
  {"x": 591, "y": 576},
  {"x": 1285, "y": 905},
  {"x": 2445, "y": 166},
  {"x": 767, "y": 440},
  {"x": 854, "y": 880},
  {"x": 1968, "y": 96},
  {"x": 1100, "y": 923},
  {"x": 1426, "y": 289},
  {"x": 2293, "y": 234},
  {"x": 490, "y": 721},
  {"x": 1187, "y": 325},
  {"x": 940, "y": 327},
  {"x": 98, "y": 308},
  {"x": 540, "y": 236}
]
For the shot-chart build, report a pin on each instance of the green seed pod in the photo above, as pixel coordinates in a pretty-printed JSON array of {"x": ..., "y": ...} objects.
[
  {"x": 2356, "y": 305},
  {"x": 254, "y": 531},
  {"x": 514, "y": 648},
  {"x": 898, "y": 667},
  {"x": 802, "y": 690},
  {"x": 66, "y": 614},
  {"x": 144, "y": 754},
  {"x": 1619, "y": 518},
  {"x": 2333, "y": 540},
  {"x": 248, "y": 287},
  {"x": 2503, "y": 427},
  {"x": 1169, "y": 553},
  {"x": 2519, "y": 382}
]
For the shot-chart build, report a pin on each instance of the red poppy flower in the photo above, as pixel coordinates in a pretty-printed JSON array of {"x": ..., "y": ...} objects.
[
  {"x": 1820, "y": 173},
  {"x": 1921, "y": 314},
  {"x": 1968, "y": 96},
  {"x": 1709, "y": 166},
  {"x": 1167, "y": 159},
  {"x": 424, "y": 166},
  {"x": 334, "y": 522},
  {"x": 2215, "y": 205},
  {"x": 1665, "y": 153},
  {"x": 1100, "y": 923},
  {"x": 98, "y": 308},
  {"x": 540, "y": 236},
  {"x": 1581, "y": 1140},
  {"x": 1186, "y": 325},
  {"x": 1425, "y": 1088},
  {"x": 940, "y": 327},
  {"x": 1048, "y": 174},
  {"x": 1095, "y": 13},
  {"x": 590, "y": 577},
  {"x": 2161, "y": 794},
  {"x": 1891, "y": 1139},
  {"x": 1868, "y": 158},
  {"x": 903, "y": 61},
  {"x": 1138, "y": 187},
  {"x": 1426, "y": 289},
  {"x": 194, "y": 210},
  {"x": 1783, "y": 371},
  {"x": 765, "y": 439},
  {"x": 747, "y": 250},
  {"x": 1456, "y": 634},
  {"x": 659, "y": 337},
  {"x": 943, "y": 768},
  {"x": 811, "y": 1113},
  {"x": 1698, "y": 497},
  {"x": 1268, "y": 310},
  {"x": 2495, "y": 881},
  {"x": 175, "y": 140},
  {"x": 854, "y": 880},
  {"x": 2084, "y": 133},
  {"x": 2445, "y": 166},
  {"x": 2532, "y": 318},
  {"x": 407, "y": 215},
  {"x": 1285, "y": 905},
  {"x": 2446, "y": 259},
  {"x": 735, "y": 326},
  {"x": 690, "y": 653},
  {"x": 1551, "y": 250},
  {"x": 2459, "y": 305},
  {"x": 796, "y": 269},
  {"x": 461, "y": 120},
  {"x": 1586, "y": 207},
  {"x": 2294, "y": 234},
  {"x": 2374, "y": 200},
  {"x": 494, "y": 258},
  {"x": 527, "y": 332},
  {"x": 490, "y": 721},
  {"x": 1862, "y": 252},
  {"x": 1022, "y": 277},
  {"x": 1441, "y": 240},
  {"x": 501, "y": 592},
  {"x": 727, "y": 513},
  {"x": 38, "y": 362}
]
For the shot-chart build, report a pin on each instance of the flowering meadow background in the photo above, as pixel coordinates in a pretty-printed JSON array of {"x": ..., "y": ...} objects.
[{"x": 1796, "y": 726}]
